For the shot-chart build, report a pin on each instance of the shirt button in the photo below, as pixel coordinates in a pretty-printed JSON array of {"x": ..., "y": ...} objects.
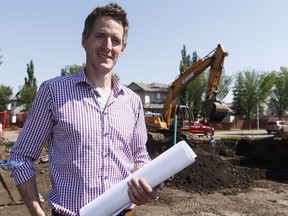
[{"x": 105, "y": 177}]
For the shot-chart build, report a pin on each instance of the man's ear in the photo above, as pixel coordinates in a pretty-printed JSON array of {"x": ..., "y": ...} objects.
[
  {"x": 83, "y": 42},
  {"x": 123, "y": 48}
]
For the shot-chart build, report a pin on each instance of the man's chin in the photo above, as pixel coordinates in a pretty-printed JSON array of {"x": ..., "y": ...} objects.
[{"x": 105, "y": 67}]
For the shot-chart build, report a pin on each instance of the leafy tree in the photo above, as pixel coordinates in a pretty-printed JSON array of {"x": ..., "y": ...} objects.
[
  {"x": 28, "y": 91},
  {"x": 186, "y": 61},
  {"x": 279, "y": 95},
  {"x": 71, "y": 69},
  {"x": 251, "y": 89},
  {"x": 238, "y": 91},
  {"x": 225, "y": 84},
  {"x": 5, "y": 94},
  {"x": 193, "y": 92}
]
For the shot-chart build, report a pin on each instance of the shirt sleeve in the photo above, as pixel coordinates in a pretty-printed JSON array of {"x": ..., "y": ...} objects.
[
  {"x": 9, "y": 165},
  {"x": 141, "y": 156},
  {"x": 33, "y": 135}
]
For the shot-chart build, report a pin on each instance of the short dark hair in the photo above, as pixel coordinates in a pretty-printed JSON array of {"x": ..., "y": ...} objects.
[{"x": 113, "y": 10}]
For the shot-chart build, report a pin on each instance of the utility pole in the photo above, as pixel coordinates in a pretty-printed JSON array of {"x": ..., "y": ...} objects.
[{"x": 257, "y": 116}]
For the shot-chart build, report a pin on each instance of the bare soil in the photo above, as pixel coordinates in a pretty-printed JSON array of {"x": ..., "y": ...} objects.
[{"x": 244, "y": 177}]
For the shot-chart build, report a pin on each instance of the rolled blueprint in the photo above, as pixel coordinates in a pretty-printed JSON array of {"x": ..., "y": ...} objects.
[{"x": 155, "y": 172}]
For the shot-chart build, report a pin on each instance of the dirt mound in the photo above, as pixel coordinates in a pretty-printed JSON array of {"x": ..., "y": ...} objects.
[
  {"x": 252, "y": 160},
  {"x": 211, "y": 173}
]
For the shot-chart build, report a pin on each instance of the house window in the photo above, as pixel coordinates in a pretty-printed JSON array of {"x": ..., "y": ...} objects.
[{"x": 157, "y": 96}]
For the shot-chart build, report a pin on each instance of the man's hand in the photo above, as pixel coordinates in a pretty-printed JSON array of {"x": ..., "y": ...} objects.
[{"x": 140, "y": 192}]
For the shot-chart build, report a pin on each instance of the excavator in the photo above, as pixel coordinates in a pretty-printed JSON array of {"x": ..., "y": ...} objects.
[{"x": 214, "y": 109}]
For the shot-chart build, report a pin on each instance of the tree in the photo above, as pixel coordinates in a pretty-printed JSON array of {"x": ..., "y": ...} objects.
[
  {"x": 71, "y": 69},
  {"x": 251, "y": 89},
  {"x": 224, "y": 86},
  {"x": 28, "y": 91},
  {"x": 185, "y": 63},
  {"x": 192, "y": 94},
  {"x": 278, "y": 100},
  {"x": 237, "y": 106},
  {"x": 5, "y": 94}
]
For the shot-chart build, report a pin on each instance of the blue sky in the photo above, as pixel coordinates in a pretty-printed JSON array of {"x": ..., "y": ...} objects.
[{"x": 254, "y": 33}]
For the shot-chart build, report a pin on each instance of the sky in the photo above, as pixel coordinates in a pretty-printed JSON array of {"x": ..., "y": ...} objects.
[{"x": 48, "y": 32}]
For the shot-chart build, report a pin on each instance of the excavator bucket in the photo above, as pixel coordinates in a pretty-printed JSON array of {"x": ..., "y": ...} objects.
[{"x": 215, "y": 110}]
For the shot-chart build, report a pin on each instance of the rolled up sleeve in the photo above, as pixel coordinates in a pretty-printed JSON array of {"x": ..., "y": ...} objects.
[
  {"x": 23, "y": 173},
  {"x": 33, "y": 136}
]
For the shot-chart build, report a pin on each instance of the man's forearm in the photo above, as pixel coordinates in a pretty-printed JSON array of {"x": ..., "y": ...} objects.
[{"x": 29, "y": 193}]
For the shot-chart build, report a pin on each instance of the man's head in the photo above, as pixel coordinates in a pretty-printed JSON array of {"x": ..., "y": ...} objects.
[
  {"x": 104, "y": 38},
  {"x": 113, "y": 10}
]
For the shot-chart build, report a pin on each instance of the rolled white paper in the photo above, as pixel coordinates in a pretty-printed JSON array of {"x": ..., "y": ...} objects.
[{"x": 155, "y": 172}]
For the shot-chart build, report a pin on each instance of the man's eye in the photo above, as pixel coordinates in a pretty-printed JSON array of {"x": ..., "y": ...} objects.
[{"x": 116, "y": 41}]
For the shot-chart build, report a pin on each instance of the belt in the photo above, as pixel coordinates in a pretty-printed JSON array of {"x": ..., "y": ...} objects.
[{"x": 126, "y": 212}]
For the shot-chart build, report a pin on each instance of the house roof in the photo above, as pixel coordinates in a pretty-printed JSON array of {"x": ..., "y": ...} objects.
[
  {"x": 15, "y": 97},
  {"x": 151, "y": 87}
]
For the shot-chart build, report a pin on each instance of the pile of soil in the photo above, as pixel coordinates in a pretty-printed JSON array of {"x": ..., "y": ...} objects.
[{"x": 250, "y": 160}]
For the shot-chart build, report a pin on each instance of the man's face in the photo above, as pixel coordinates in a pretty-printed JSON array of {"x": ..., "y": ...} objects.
[{"x": 104, "y": 45}]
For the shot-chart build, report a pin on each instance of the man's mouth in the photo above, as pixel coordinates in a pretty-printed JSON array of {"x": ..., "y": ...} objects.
[{"x": 104, "y": 56}]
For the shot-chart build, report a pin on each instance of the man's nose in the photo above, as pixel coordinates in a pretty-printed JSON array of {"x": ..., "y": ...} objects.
[{"x": 108, "y": 43}]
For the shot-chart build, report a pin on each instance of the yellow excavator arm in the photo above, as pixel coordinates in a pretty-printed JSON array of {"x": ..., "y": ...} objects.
[{"x": 214, "y": 60}]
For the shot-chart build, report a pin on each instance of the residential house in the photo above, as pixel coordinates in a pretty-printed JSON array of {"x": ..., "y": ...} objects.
[
  {"x": 152, "y": 95},
  {"x": 15, "y": 105}
]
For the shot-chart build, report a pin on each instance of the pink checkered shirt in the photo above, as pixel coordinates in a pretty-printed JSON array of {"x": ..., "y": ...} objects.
[{"x": 90, "y": 149}]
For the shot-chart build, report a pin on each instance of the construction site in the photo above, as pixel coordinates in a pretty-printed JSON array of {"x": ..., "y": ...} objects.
[
  {"x": 245, "y": 176},
  {"x": 241, "y": 175}
]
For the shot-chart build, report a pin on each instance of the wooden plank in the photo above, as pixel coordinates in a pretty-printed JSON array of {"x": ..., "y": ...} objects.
[
  {"x": 5, "y": 198},
  {"x": 10, "y": 186}
]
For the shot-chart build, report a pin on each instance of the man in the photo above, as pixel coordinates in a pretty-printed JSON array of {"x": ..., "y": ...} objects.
[
  {"x": 94, "y": 127},
  {"x": 212, "y": 144}
]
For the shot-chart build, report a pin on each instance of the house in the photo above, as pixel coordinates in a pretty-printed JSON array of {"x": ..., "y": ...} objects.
[
  {"x": 152, "y": 95},
  {"x": 15, "y": 105}
]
